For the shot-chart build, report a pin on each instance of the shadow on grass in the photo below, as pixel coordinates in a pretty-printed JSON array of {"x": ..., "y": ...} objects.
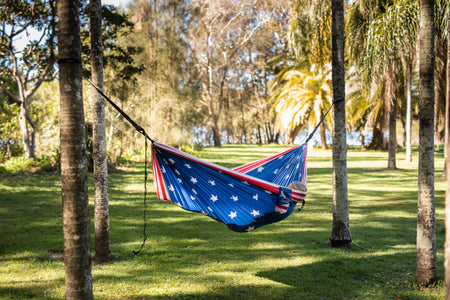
[{"x": 349, "y": 276}]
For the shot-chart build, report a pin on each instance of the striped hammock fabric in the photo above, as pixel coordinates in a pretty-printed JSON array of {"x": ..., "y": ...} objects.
[{"x": 243, "y": 198}]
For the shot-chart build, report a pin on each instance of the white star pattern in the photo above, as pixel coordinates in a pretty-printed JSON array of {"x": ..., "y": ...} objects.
[
  {"x": 194, "y": 191},
  {"x": 268, "y": 192},
  {"x": 255, "y": 213},
  {"x": 178, "y": 172},
  {"x": 260, "y": 169},
  {"x": 188, "y": 166},
  {"x": 245, "y": 182},
  {"x": 235, "y": 198},
  {"x": 172, "y": 161},
  {"x": 255, "y": 197},
  {"x": 232, "y": 215},
  {"x": 179, "y": 180},
  {"x": 211, "y": 182},
  {"x": 230, "y": 184},
  {"x": 275, "y": 172},
  {"x": 193, "y": 180},
  {"x": 214, "y": 198},
  {"x": 171, "y": 188},
  {"x": 163, "y": 170},
  {"x": 192, "y": 197}
]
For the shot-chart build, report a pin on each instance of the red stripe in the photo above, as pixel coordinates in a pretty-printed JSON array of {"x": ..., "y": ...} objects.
[
  {"x": 160, "y": 185},
  {"x": 250, "y": 179},
  {"x": 253, "y": 165}
]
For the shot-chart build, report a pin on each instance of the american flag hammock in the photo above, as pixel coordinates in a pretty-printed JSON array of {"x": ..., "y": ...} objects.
[{"x": 243, "y": 198}]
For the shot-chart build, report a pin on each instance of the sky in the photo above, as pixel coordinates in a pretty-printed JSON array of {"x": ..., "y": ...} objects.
[{"x": 118, "y": 3}]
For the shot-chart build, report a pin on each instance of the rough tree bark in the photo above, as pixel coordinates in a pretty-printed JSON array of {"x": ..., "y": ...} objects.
[
  {"x": 426, "y": 229},
  {"x": 391, "y": 93},
  {"x": 340, "y": 234},
  {"x": 76, "y": 229},
  {"x": 101, "y": 206},
  {"x": 447, "y": 169}
]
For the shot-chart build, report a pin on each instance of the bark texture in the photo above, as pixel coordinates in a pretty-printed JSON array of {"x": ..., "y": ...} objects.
[
  {"x": 101, "y": 205},
  {"x": 340, "y": 234},
  {"x": 426, "y": 230},
  {"x": 391, "y": 93},
  {"x": 77, "y": 243},
  {"x": 447, "y": 169}
]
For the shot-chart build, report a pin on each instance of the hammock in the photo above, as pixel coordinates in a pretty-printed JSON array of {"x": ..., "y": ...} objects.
[{"x": 243, "y": 198}]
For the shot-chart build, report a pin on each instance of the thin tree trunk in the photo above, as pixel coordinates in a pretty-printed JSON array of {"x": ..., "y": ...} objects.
[
  {"x": 101, "y": 206},
  {"x": 77, "y": 242},
  {"x": 408, "y": 78},
  {"x": 392, "y": 111},
  {"x": 447, "y": 169},
  {"x": 426, "y": 229},
  {"x": 323, "y": 137},
  {"x": 27, "y": 134},
  {"x": 340, "y": 234}
]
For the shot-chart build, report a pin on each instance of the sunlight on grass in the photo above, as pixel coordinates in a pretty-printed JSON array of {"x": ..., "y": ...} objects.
[{"x": 188, "y": 255}]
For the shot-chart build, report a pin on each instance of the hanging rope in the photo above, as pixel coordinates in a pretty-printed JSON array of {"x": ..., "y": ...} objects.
[
  {"x": 142, "y": 131},
  {"x": 320, "y": 122}
]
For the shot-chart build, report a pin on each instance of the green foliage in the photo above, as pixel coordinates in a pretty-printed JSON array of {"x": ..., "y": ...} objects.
[
  {"x": 20, "y": 165},
  {"x": 190, "y": 256}
]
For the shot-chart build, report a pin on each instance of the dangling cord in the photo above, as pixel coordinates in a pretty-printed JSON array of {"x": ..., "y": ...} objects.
[
  {"x": 145, "y": 201},
  {"x": 320, "y": 122},
  {"x": 142, "y": 131}
]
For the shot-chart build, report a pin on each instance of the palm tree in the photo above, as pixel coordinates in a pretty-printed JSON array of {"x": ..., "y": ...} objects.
[
  {"x": 426, "y": 229},
  {"x": 380, "y": 35},
  {"x": 101, "y": 206},
  {"x": 76, "y": 229},
  {"x": 304, "y": 98},
  {"x": 340, "y": 234}
]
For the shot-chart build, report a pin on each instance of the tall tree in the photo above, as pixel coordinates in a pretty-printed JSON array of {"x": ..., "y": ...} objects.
[
  {"x": 447, "y": 169},
  {"x": 76, "y": 228},
  {"x": 24, "y": 68},
  {"x": 340, "y": 234},
  {"x": 426, "y": 228},
  {"x": 101, "y": 206}
]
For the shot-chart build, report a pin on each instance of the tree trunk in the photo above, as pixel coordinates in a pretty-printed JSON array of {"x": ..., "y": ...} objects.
[
  {"x": 75, "y": 204},
  {"x": 28, "y": 135},
  {"x": 447, "y": 169},
  {"x": 426, "y": 230},
  {"x": 391, "y": 93},
  {"x": 340, "y": 234},
  {"x": 408, "y": 79},
  {"x": 101, "y": 206},
  {"x": 323, "y": 137}
]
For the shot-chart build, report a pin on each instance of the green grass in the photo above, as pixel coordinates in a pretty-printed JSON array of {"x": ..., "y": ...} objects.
[{"x": 189, "y": 255}]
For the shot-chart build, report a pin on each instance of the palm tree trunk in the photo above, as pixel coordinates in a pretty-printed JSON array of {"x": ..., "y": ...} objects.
[
  {"x": 76, "y": 229},
  {"x": 101, "y": 205},
  {"x": 391, "y": 94},
  {"x": 408, "y": 79},
  {"x": 426, "y": 229},
  {"x": 340, "y": 234},
  {"x": 447, "y": 169}
]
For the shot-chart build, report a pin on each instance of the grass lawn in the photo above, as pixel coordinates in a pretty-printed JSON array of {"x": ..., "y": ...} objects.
[{"x": 188, "y": 255}]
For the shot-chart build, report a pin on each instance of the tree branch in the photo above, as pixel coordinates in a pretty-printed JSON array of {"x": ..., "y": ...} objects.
[{"x": 10, "y": 95}]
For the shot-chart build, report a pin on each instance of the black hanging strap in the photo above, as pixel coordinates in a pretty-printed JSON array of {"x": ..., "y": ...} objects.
[
  {"x": 142, "y": 131},
  {"x": 320, "y": 122},
  {"x": 138, "y": 128}
]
